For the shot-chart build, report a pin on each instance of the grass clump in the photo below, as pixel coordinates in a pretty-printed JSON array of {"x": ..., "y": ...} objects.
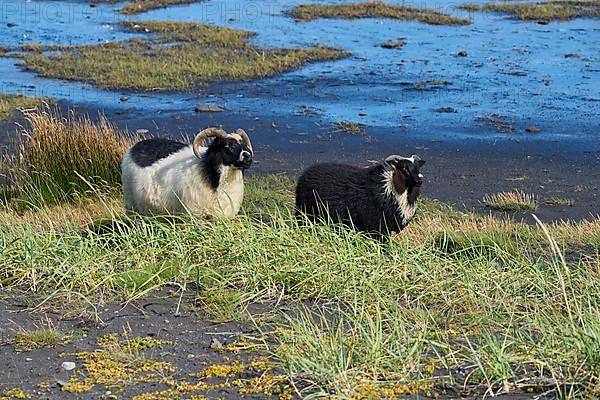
[
  {"x": 62, "y": 157},
  {"x": 181, "y": 56},
  {"x": 543, "y": 11},
  {"x": 349, "y": 128},
  {"x": 27, "y": 340},
  {"x": 559, "y": 201},
  {"x": 10, "y": 103},
  {"x": 222, "y": 305},
  {"x": 511, "y": 201},
  {"x": 375, "y": 9}
]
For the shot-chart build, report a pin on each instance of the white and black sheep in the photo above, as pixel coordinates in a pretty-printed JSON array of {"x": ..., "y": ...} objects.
[
  {"x": 164, "y": 176},
  {"x": 377, "y": 200}
]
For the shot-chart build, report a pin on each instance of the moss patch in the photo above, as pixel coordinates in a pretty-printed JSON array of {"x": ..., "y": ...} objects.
[
  {"x": 543, "y": 11},
  {"x": 117, "y": 362},
  {"x": 375, "y": 9},
  {"x": 180, "y": 56}
]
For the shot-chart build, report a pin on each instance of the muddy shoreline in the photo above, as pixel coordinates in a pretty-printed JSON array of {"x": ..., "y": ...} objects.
[{"x": 458, "y": 171}]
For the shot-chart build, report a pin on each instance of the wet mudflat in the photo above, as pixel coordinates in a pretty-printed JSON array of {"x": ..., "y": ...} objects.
[{"x": 521, "y": 74}]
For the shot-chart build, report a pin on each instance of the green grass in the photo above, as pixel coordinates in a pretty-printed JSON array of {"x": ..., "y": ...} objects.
[
  {"x": 375, "y": 9},
  {"x": 9, "y": 103},
  {"x": 457, "y": 303},
  {"x": 221, "y": 304},
  {"x": 26, "y": 340},
  {"x": 179, "y": 56},
  {"x": 387, "y": 314},
  {"x": 542, "y": 11}
]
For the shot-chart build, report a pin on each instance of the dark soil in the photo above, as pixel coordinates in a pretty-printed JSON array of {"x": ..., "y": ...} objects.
[{"x": 191, "y": 344}]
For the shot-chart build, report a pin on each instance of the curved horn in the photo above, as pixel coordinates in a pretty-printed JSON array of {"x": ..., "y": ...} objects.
[
  {"x": 244, "y": 136},
  {"x": 206, "y": 133}
]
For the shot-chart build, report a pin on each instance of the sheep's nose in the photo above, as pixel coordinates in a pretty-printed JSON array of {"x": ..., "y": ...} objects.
[{"x": 245, "y": 156}]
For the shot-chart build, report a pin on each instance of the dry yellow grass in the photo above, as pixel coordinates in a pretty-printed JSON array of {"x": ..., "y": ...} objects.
[
  {"x": 511, "y": 201},
  {"x": 64, "y": 156}
]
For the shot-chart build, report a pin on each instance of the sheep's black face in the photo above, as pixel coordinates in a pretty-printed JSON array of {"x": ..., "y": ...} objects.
[
  {"x": 235, "y": 152},
  {"x": 407, "y": 172}
]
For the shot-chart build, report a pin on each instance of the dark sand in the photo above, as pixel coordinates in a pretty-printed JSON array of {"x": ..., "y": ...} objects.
[{"x": 457, "y": 171}]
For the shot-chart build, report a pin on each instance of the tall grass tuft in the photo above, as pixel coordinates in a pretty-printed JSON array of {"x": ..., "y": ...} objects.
[
  {"x": 61, "y": 157},
  {"x": 511, "y": 201}
]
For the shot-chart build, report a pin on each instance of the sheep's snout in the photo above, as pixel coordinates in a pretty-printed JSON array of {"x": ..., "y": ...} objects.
[
  {"x": 245, "y": 159},
  {"x": 419, "y": 179}
]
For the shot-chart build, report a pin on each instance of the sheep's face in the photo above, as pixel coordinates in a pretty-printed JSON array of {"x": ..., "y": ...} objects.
[
  {"x": 234, "y": 151},
  {"x": 407, "y": 172}
]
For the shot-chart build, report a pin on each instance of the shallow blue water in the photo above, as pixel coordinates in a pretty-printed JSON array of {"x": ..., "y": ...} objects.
[{"x": 516, "y": 74}]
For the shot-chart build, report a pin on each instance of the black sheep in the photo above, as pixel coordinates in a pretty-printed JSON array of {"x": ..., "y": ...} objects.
[{"x": 377, "y": 200}]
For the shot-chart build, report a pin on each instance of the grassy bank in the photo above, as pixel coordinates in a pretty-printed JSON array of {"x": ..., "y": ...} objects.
[
  {"x": 542, "y": 11},
  {"x": 178, "y": 56},
  {"x": 375, "y": 9},
  {"x": 9, "y": 103},
  {"x": 457, "y": 304},
  {"x": 140, "y": 6}
]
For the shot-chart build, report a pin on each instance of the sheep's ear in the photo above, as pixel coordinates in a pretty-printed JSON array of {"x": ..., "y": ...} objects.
[
  {"x": 418, "y": 161},
  {"x": 393, "y": 161}
]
